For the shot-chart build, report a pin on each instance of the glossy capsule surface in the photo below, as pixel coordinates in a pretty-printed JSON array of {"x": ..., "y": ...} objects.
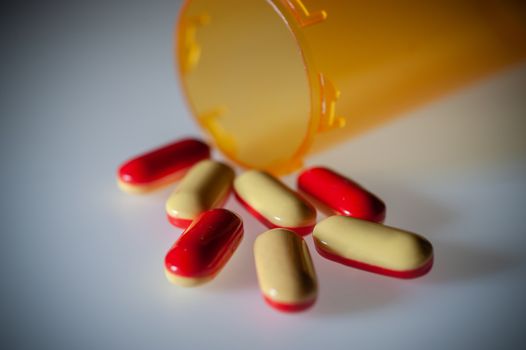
[
  {"x": 203, "y": 248},
  {"x": 373, "y": 247},
  {"x": 161, "y": 166},
  {"x": 340, "y": 195},
  {"x": 205, "y": 186},
  {"x": 273, "y": 203},
  {"x": 285, "y": 271}
]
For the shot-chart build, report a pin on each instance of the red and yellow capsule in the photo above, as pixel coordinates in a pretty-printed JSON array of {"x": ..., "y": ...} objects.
[
  {"x": 285, "y": 271},
  {"x": 373, "y": 247},
  {"x": 340, "y": 195},
  {"x": 203, "y": 248},
  {"x": 206, "y": 186},
  {"x": 161, "y": 166},
  {"x": 273, "y": 203}
]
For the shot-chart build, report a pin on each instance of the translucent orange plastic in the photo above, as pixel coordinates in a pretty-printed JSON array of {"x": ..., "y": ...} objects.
[{"x": 273, "y": 80}]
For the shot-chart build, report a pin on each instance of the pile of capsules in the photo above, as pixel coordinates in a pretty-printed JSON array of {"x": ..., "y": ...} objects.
[{"x": 352, "y": 235}]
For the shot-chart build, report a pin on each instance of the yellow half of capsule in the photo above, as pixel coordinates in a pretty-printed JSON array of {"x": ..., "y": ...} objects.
[
  {"x": 284, "y": 267},
  {"x": 204, "y": 187}
]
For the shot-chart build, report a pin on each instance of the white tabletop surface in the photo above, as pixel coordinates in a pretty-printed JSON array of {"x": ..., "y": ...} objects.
[{"x": 87, "y": 85}]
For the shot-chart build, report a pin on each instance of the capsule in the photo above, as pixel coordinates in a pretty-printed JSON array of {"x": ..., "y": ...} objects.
[
  {"x": 285, "y": 272},
  {"x": 373, "y": 247},
  {"x": 206, "y": 186},
  {"x": 273, "y": 203},
  {"x": 340, "y": 195},
  {"x": 161, "y": 166},
  {"x": 203, "y": 248}
]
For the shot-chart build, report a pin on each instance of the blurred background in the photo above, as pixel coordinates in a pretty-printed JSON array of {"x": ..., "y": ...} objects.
[{"x": 86, "y": 85}]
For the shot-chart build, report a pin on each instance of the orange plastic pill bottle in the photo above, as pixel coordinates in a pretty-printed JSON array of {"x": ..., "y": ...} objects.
[{"x": 273, "y": 80}]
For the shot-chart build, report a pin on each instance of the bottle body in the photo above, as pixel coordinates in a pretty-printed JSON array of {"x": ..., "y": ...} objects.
[{"x": 274, "y": 80}]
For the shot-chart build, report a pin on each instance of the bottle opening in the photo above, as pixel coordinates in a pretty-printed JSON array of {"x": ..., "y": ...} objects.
[{"x": 245, "y": 79}]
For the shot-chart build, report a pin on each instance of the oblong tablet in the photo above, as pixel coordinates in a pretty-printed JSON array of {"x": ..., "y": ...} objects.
[
  {"x": 203, "y": 248},
  {"x": 285, "y": 272},
  {"x": 373, "y": 247},
  {"x": 204, "y": 187},
  {"x": 341, "y": 195},
  {"x": 161, "y": 166},
  {"x": 273, "y": 203}
]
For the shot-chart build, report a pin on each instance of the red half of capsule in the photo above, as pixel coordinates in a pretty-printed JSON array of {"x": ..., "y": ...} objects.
[
  {"x": 422, "y": 270},
  {"x": 163, "y": 162},
  {"x": 341, "y": 195},
  {"x": 289, "y": 307},
  {"x": 205, "y": 247},
  {"x": 303, "y": 230}
]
